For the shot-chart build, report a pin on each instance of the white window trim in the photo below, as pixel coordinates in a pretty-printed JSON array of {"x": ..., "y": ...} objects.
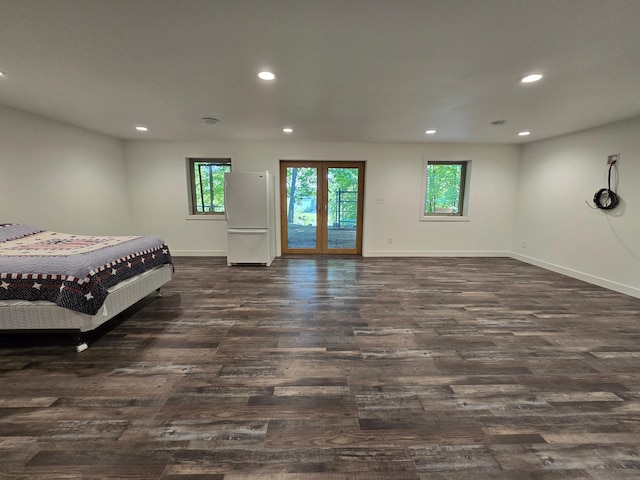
[{"x": 465, "y": 203}]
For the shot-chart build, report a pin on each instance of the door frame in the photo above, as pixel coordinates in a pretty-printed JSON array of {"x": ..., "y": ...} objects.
[{"x": 322, "y": 231}]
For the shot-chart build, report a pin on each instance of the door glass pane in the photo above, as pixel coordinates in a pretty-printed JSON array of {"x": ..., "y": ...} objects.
[
  {"x": 342, "y": 211},
  {"x": 302, "y": 194}
]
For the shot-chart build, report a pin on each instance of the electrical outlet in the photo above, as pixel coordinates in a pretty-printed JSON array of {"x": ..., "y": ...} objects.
[
  {"x": 612, "y": 159},
  {"x": 390, "y": 240},
  {"x": 523, "y": 244}
]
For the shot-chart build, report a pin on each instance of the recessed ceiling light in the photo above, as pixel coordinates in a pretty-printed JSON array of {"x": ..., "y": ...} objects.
[
  {"x": 532, "y": 77},
  {"x": 2, "y": 74},
  {"x": 140, "y": 128},
  {"x": 524, "y": 134},
  {"x": 498, "y": 123},
  {"x": 430, "y": 132},
  {"x": 287, "y": 130},
  {"x": 266, "y": 75},
  {"x": 210, "y": 120}
]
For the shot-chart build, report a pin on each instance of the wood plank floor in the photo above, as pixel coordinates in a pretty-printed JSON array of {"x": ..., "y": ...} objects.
[{"x": 336, "y": 369}]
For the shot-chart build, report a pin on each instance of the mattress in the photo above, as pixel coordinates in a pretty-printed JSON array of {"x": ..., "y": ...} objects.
[{"x": 72, "y": 271}]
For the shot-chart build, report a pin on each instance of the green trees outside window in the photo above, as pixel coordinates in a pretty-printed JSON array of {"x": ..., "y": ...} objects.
[
  {"x": 343, "y": 197},
  {"x": 445, "y": 188},
  {"x": 302, "y": 185},
  {"x": 207, "y": 185}
]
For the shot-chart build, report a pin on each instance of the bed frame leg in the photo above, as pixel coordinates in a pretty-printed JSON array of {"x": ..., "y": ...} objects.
[
  {"x": 158, "y": 293},
  {"x": 81, "y": 345}
]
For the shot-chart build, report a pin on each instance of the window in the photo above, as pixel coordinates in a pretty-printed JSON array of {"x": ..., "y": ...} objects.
[
  {"x": 445, "y": 185},
  {"x": 207, "y": 185}
]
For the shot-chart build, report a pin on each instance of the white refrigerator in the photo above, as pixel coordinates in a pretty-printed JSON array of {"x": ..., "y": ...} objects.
[{"x": 249, "y": 200}]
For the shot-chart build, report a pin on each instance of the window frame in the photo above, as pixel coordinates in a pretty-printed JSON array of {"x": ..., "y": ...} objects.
[
  {"x": 190, "y": 164},
  {"x": 463, "y": 214}
]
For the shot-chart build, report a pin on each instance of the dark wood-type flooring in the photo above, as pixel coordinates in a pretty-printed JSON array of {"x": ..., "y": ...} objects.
[{"x": 336, "y": 369}]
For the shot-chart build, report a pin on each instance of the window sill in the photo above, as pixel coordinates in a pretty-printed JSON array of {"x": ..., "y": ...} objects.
[
  {"x": 445, "y": 218},
  {"x": 206, "y": 217}
]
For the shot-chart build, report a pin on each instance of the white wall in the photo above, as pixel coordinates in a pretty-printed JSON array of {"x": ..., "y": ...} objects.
[
  {"x": 59, "y": 177},
  {"x": 159, "y": 197},
  {"x": 558, "y": 177}
]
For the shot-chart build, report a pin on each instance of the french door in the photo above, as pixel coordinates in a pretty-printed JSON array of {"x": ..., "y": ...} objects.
[{"x": 321, "y": 207}]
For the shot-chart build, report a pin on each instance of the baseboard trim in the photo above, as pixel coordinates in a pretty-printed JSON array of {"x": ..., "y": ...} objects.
[
  {"x": 198, "y": 253},
  {"x": 585, "y": 277},
  {"x": 435, "y": 254}
]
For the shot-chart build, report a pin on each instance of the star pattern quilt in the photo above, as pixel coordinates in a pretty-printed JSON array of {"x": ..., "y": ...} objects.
[{"x": 72, "y": 271}]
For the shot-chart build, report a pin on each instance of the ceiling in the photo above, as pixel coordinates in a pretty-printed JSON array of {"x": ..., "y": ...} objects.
[{"x": 347, "y": 70}]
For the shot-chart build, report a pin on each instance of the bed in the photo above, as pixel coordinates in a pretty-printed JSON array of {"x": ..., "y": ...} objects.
[{"x": 58, "y": 281}]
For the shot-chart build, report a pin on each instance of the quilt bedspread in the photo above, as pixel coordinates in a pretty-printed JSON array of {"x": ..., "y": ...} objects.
[{"x": 72, "y": 271}]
